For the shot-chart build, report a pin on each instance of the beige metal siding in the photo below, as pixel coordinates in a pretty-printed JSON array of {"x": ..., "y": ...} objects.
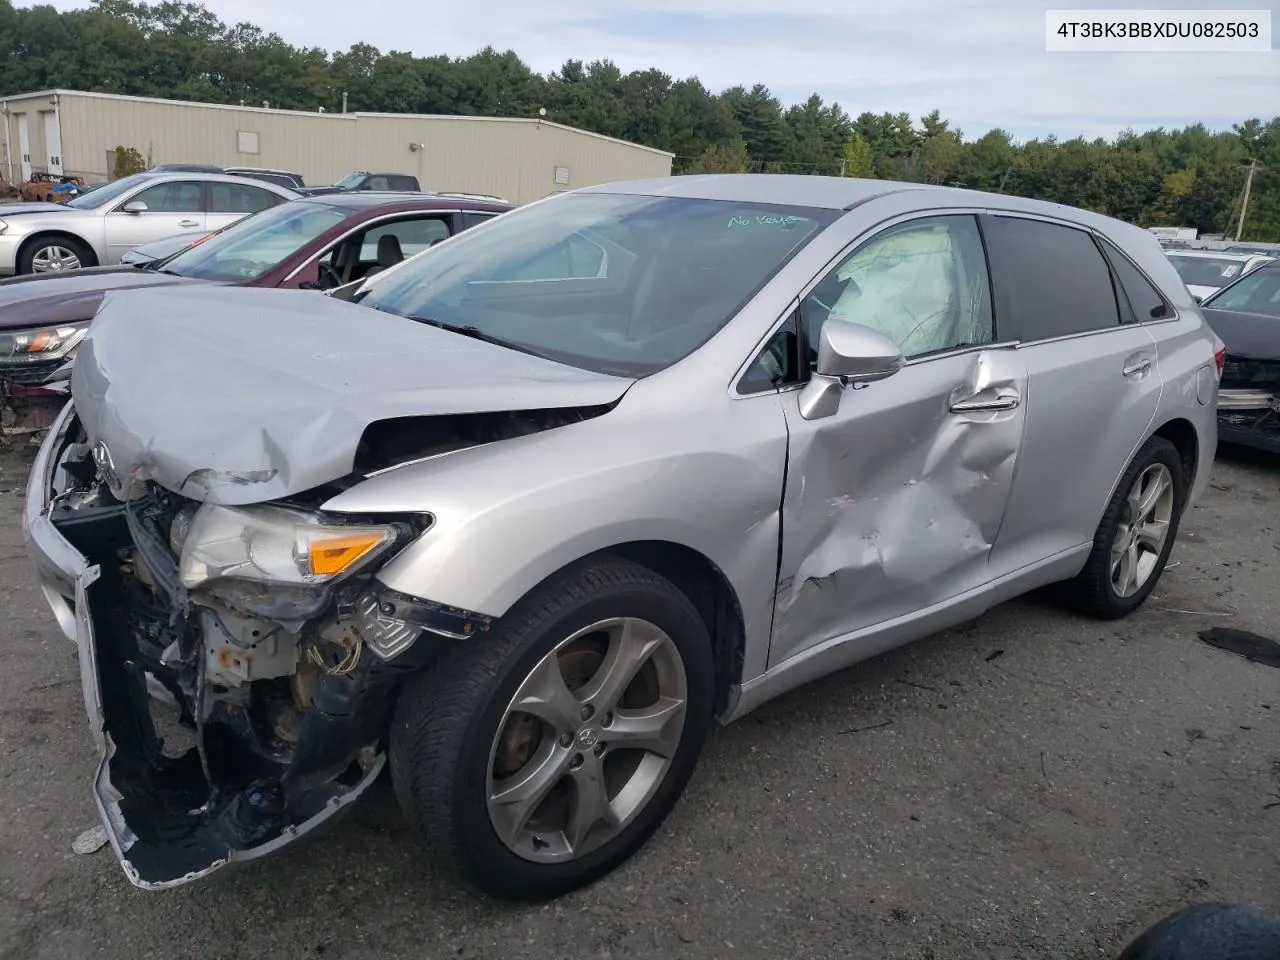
[
  {"x": 173, "y": 132},
  {"x": 512, "y": 158},
  {"x": 34, "y": 106}
]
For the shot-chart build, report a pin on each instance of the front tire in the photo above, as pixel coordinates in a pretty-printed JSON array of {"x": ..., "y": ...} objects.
[
  {"x": 1132, "y": 544},
  {"x": 54, "y": 254},
  {"x": 536, "y": 758}
]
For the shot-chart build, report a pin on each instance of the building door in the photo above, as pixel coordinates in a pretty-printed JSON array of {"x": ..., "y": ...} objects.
[
  {"x": 53, "y": 142},
  {"x": 24, "y": 146}
]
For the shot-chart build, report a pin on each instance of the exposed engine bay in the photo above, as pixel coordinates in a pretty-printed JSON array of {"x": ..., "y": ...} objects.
[
  {"x": 237, "y": 713},
  {"x": 388, "y": 443}
]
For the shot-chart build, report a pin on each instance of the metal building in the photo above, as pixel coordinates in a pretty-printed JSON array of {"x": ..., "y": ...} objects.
[{"x": 519, "y": 159}]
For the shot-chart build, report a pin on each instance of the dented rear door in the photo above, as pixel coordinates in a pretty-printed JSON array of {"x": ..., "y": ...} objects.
[{"x": 892, "y": 503}]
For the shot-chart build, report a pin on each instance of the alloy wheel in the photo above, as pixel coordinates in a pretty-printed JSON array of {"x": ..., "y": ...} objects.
[
  {"x": 1142, "y": 530},
  {"x": 587, "y": 740}
]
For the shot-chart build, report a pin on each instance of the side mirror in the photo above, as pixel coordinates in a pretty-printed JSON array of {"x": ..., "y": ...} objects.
[
  {"x": 1197, "y": 299},
  {"x": 856, "y": 354},
  {"x": 848, "y": 354},
  {"x": 135, "y": 206}
]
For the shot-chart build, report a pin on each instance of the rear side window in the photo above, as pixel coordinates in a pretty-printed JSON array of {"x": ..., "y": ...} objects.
[
  {"x": 475, "y": 219},
  {"x": 1053, "y": 279},
  {"x": 237, "y": 198},
  {"x": 1146, "y": 301},
  {"x": 413, "y": 236}
]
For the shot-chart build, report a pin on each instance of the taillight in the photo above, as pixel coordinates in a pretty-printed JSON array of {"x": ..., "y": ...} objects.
[{"x": 1219, "y": 356}]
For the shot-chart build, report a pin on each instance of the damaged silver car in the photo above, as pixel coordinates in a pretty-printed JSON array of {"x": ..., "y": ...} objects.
[{"x": 549, "y": 499}]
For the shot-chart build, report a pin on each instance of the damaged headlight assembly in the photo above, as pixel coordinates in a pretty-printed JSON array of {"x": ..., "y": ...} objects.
[
  {"x": 282, "y": 563},
  {"x": 40, "y": 345}
]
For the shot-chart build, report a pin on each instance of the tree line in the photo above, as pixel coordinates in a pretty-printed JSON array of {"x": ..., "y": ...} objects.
[{"x": 1186, "y": 177}]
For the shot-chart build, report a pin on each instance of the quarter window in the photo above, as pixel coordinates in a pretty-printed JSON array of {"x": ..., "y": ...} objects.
[
  {"x": 923, "y": 284},
  {"x": 1055, "y": 278},
  {"x": 777, "y": 364},
  {"x": 1145, "y": 300}
]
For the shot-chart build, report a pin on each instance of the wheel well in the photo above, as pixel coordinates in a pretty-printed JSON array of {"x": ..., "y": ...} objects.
[
  {"x": 708, "y": 589},
  {"x": 1183, "y": 436},
  {"x": 58, "y": 234}
]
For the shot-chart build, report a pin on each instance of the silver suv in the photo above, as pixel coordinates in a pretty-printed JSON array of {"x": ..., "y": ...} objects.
[{"x": 564, "y": 489}]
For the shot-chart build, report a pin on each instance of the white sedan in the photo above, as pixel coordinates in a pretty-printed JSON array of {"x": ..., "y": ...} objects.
[
  {"x": 99, "y": 227},
  {"x": 1205, "y": 272}
]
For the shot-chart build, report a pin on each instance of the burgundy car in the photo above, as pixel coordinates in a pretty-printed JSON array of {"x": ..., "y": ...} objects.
[{"x": 312, "y": 243}]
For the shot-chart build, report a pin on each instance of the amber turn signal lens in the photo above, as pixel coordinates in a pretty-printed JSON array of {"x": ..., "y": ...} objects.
[{"x": 333, "y": 555}]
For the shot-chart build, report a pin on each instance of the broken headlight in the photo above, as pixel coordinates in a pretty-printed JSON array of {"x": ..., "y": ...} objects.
[
  {"x": 45, "y": 343},
  {"x": 274, "y": 545}
]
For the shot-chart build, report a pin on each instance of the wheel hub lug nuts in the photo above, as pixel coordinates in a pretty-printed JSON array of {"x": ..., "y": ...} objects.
[
  {"x": 566, "y": 739},
  {"x": 587, "y": 712}
]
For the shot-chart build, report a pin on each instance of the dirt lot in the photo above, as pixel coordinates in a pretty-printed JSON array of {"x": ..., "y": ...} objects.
[{"x": 1033, "y": 786}]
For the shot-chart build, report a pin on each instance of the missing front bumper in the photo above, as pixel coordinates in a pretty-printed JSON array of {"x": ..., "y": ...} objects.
[
  {"x": 166, "y": 822},
  {"x": 224, "y": 794}
]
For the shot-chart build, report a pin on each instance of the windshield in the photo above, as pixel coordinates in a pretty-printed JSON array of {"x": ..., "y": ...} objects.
[
  {"x": 350, "y": 180},
  {"x": 1206, "y": 271},
  {"x": 250, "y": 247},
  {"x": 103, "y": 195},
  {"x": 1259, "y": 292},
  {"x": 623, "y": 285}
]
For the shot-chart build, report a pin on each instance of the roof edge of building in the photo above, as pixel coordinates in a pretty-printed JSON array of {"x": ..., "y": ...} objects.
[{"x": 353, "y": 115}]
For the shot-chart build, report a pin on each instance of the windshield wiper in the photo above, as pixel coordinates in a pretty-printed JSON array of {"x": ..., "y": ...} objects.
[{"x": 475, "y": 333}]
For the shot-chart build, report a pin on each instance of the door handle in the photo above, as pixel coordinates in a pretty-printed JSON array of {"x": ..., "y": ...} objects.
[
  {"x": 1136, "y": 367},
  {"x": 979, "y": 404},
  {"x": 188, "y": 223}
]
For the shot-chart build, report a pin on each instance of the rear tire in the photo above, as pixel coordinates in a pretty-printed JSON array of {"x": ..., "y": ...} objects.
[
  {"x": 1127, "y": 559},
  {"x": 467, "y": 764}
]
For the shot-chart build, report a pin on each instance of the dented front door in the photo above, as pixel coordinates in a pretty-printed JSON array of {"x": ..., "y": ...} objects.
[{"x": 892, "y": 503}]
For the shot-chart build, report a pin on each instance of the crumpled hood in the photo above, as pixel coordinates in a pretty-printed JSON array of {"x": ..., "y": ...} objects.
[
  {"x": 41, "y": 299},
  {"x": 236, "y": 395},
  {"x": 1249, "y": 336}
]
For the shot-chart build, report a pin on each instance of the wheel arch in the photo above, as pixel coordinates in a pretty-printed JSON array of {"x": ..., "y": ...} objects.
[
  {"x": 52, "y": 233},
  {"x": 708, "y": 588},
  {"x": 1181, "y": 432}
]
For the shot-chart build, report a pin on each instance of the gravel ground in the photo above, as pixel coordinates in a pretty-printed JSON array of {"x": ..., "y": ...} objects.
[{"x": 1032, "y": 786}]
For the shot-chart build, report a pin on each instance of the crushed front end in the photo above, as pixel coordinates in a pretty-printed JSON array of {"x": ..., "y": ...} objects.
[
  {"x": 239, "y": 665},
  {"x": 1249, "y": 403}
]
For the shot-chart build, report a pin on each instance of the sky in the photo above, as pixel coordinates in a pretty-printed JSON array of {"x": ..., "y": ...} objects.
[{"x": 981, "y": 63}]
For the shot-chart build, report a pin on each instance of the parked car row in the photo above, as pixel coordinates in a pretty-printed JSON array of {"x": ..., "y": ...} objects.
[
  {"x": 518, "y": 502},
  {"x": 315, "y": 243},
  {"x": 98, "y": 228},
  {"x": 281, "y": 178},
  {"x": 358, "y": 180}
]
